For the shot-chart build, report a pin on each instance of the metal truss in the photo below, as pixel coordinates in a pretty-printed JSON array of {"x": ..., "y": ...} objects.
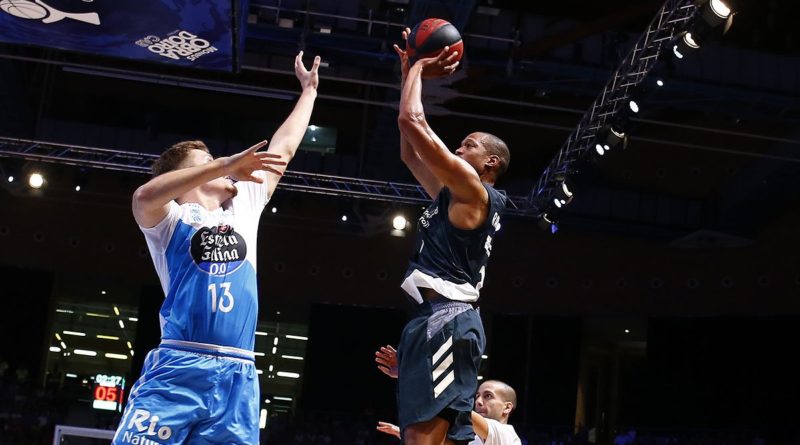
[
  {"x": 293, "y": 180},
  {"x": 671, "y": 19}
]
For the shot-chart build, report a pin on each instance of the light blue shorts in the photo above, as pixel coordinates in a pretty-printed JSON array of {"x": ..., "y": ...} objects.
[{"x": 189, "y": 397}]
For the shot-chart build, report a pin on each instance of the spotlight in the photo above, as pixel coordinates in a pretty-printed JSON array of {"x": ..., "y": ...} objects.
[
  {"x": 399, "y": 222},
  {"x": 344, "y": 218},
  {"x": 684, "y": 44},
  {"x": 715, "y": 13},
  {"x": 610, "y": 137},
  {"x": 36, "y": 180},
  {"x": 274, "y": 210},
  {"x": 562, "y": 195},
  {"x": 10, "y": 178},
  {"x": 601, "y": 149},
  {"x": 79, "y": 180},
  {"x": 548, "y": 222}
]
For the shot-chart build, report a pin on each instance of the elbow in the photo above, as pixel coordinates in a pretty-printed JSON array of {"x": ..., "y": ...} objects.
[
  {"x": 141, "y": 197},
  {"x": 409, "y": 121}
]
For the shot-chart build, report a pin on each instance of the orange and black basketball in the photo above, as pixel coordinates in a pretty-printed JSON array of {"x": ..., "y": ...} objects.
[{"x": 430, "y": 36}]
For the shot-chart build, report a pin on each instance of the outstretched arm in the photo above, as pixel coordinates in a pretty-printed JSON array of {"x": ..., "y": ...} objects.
[
  {"x": 151, "y": 200},
  {"x": 286, "y": 140},
  {"x": 449, "y": 169},
  {"x": 408, "y": 155},
  {"x": 480, "y": 426}
]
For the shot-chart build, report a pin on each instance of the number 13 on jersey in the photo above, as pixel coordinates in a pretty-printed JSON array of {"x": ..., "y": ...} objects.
[{"x": 225, "y": 299}]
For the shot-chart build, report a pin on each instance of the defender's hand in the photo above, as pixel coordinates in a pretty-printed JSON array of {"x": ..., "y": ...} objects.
[
  {"x": 241, "y": 166},
  {"x": 389, "y": 429},
  {"x": 308, "y": 79},
  {"x": 386, "y": 357}
]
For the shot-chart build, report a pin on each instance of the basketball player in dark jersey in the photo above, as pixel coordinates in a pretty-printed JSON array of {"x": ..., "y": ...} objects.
[{"x": 440, "y": 348}]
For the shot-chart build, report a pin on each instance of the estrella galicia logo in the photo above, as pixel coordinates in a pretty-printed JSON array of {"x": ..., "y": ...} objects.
[
  {"x": 39, "y": 10},
  {"x": 178, "y": 44},
  {"x": 218, "y": 250}
]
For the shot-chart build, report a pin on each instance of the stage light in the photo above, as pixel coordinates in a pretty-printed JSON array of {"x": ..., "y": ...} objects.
[
  {"x": 716, "y": 12},
  {"x": 610, "y": 137},
  {"x": 601, "y": 149},
  {"x": 344, "y": 218},
  {"x": 548, "y": 222},
  {"x": 10, "y": 178},
  {"x": 36, "y": 180},
  {"x": 684, "y": 44},
  {"x": 562, "y": 194},
  {"x": 399, "y": 222},
  {"x": 274, "y": 210}
]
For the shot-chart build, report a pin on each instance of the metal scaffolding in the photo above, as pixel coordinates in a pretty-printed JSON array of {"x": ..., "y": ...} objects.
[
  {"x": 293, "y": 180},
  {"x": 670, "y": 19}
]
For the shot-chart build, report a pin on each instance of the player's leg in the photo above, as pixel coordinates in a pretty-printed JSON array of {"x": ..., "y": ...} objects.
[
  {"x": 432, "y": 432},
  {"x": 439, "y": 355}
]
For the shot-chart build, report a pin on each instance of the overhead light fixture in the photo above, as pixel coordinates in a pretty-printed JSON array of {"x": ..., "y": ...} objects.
[
  {"x": 85, "y": 352},
  {"x": 716, "y": 12},
  {"x": 562, "y": 194},
  {"x": 547, "y": 221},
  {"x": 399, "y": 222},
  {"x": 684, "y": 45},
  {"x": 36, "y": 180}
]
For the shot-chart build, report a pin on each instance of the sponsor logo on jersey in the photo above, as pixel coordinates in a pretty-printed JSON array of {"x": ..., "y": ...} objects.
[
  {"x": 427, "y": 215},
  {"x": 218, "y": 250},
  {"x": 143, "y": 429},
  {"x": 177, "y": 45}
]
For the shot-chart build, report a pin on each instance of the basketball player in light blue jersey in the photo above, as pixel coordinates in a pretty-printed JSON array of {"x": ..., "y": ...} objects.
[
  {"x": 440, "y": 348},
  {"x": 200, "y": 216}
]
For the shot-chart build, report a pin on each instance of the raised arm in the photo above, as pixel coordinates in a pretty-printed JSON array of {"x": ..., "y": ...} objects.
[
  {"x": 151, "y": 201},
  {"x": 453, "y": 172},
  {"x": 286, "y": 140},
  {"x": 408, "y": 155}
]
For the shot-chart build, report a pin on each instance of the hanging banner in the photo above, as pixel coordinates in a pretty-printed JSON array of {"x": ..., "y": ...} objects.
[{"x": 190, "y": 33}]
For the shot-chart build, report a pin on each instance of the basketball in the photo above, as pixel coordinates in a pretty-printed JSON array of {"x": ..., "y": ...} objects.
[
  {"x": 430, "y": 36},
  {"x": 23, "y": 9}
]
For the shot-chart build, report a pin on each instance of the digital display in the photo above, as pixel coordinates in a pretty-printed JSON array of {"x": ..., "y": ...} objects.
[{"x": 108, "y": 392}]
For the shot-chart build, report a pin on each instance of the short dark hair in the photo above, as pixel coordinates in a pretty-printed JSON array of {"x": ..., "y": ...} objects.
[
  {"x": 172, "y": 157},
  {"x": 496, "y": 146}
]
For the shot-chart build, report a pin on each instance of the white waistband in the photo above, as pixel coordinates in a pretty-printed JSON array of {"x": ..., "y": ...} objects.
[{"x": 224, "y": 350}]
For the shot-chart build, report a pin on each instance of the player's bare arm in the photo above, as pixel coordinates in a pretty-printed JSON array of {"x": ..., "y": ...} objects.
[
  {"x": 408, "y": 155},
  {"x": 287, "y": 139},
  {"x": 151, "y": 200},
  {"x": 470, "y": 199}
]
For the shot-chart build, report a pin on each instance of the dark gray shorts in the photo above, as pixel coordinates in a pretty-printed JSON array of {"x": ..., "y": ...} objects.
[{"x": 439, "y": 357}]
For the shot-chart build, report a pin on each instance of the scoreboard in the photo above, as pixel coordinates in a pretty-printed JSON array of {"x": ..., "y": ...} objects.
[{"x": 108, "y": 392}]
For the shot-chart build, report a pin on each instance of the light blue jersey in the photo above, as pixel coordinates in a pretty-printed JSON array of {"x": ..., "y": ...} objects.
[
  {"x": 206, "y": 262},
  {"x": 200, "y": 386}
]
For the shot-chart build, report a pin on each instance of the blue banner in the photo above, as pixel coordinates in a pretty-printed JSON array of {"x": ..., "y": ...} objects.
[{"x": 190, "y": 33}]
